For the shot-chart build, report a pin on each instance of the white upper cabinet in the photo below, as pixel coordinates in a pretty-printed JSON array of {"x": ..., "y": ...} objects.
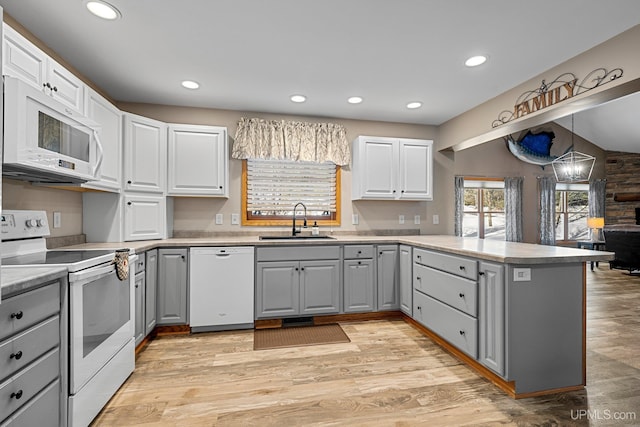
[
  {"x": 110, "y": 120},
  {"x": 392, "y": 169},
  {"x": 145, "y": 154},
  {"x": 197, "y": 161},
  {"x": 145, "y": 217},
  {"x": 23, "y": 60},
  {"x": 415, "y": 170}
]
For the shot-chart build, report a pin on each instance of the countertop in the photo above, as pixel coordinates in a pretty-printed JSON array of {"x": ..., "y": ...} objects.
[
  {"x": 18, "y": 279},
  {"x": 490, "y": 250}
]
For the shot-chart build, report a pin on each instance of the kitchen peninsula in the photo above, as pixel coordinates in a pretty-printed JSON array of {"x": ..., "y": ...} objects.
[{"x": 514, "y": 312}]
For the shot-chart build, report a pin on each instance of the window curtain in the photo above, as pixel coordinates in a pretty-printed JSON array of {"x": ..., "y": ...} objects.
[
  {"x": 597, "y": 195},
  {"x": 547, "y": 194},
  {"x": 290, "y": 140},
  {"x": 459, "y": 207},
  {"x": 513, "y": 208}
]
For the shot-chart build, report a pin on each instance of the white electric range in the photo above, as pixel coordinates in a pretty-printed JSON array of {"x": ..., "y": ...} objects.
[{"x": 101, "y": 326}]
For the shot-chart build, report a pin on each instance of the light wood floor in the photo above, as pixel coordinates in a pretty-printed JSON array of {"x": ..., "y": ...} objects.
[{"x": 389, "y": 375}]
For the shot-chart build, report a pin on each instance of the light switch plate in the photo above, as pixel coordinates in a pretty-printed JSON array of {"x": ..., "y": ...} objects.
[
  {"x": 218, "y": 219},
  {"x": 436, "y": 219},
  {"x": 521, "y": 274},
  {"x": 235, "y": 219},
  {"x": 416, "y": 219},
  {"x": 355, "y": 219},
  {"x": 401, "y": 219}
]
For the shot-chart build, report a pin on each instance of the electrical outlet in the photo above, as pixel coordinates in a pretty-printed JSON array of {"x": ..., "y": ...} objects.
[
  {"x": 219, "y": 219},
  {"x": 521, "y": 274},
  {"x": 436, "y": 219},
  {"x": 401, "y": 219},
  {"x": 57, "y": 219},
  {"x": 355, "y": 219},
  {"x": 235, "y": 219},
  {"x": 416, "y": 219}
]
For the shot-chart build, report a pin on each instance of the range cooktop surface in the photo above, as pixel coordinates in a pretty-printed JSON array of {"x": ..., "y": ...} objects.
[{"x": 56, "y": 257}]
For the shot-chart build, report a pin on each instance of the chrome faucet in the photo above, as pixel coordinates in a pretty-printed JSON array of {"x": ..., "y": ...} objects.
[{"x": 304, "y": 224}]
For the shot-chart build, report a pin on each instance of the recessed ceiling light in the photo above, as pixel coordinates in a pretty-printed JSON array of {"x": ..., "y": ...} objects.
[
  {"x": 103, "y": 10},
  {"x": 474, "y": 61},
  {"x": 298, "y": 98},
  {"x": 190, "y": 84},
  {"x": 355, "y": 100},
  {"x": 415, "y": 104}
]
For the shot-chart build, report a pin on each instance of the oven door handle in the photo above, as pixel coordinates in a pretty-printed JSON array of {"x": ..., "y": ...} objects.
[{"x": 92, "y": 274}]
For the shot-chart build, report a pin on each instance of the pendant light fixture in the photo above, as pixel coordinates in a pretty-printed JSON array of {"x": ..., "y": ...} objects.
[{"x": 573, "y": 166}]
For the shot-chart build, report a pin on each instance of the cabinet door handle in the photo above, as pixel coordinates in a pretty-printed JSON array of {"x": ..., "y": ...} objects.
[
  {"x": 418, "y": 278},
  {"x": 221, "y": 187},
  {"x": 16, "y": 356},
  {"x": 297, "y": 269},
  {"x": 302, "y": 269},
  {"x": 481, "y": 273},
  {"x": 17, "y": 395},
  {"x": 461, "y": 295},
  {"x": 17, "y": 315},
  {"x": 129, "y": 182},
  {"x": 182, "y": 256},
  {"x": 419, "y": 308},
  {"x": 462, "y": 333},
  {"x": 129, "y": 203}
]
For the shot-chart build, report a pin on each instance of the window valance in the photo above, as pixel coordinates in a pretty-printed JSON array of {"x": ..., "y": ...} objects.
[{"x": 290, "y": 140}]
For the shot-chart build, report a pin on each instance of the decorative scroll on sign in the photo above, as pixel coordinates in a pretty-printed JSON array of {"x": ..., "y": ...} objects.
[{"x": 564, "y": 87}]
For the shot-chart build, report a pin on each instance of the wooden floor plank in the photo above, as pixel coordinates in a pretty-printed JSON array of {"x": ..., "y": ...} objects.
[{"x": 388, "y": 375}]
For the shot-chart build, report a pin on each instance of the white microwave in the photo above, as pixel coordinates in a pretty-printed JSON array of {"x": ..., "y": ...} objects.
[{"x": 44, "y": 141}]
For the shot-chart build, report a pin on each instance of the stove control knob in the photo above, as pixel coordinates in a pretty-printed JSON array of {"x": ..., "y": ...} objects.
[
  {"x": 39, "y": 223},
  {"x": 31, "y": 223}
]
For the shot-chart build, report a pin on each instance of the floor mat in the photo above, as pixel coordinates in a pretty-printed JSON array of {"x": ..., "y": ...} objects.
[{"x": 298, "y": 336}]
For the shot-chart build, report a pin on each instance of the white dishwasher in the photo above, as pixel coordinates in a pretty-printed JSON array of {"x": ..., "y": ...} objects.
[{"x": 221, "y": 288}]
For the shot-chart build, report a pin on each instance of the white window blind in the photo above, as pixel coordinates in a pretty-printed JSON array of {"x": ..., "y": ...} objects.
[{"x": 275, "y": 186}]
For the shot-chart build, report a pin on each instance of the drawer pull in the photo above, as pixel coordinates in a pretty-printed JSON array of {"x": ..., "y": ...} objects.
[
  {"x": 462, "y": 333},
  {"x": 359, "y": 252},
  {"x": 17, "y": 315},
  {"x": 16, "y": 356},
  {"x": 462, "y": 267},
  {"x": 17, "y": 395},
  {"x": 359, "y": 262},
  {"x": 461, "y": 295}
]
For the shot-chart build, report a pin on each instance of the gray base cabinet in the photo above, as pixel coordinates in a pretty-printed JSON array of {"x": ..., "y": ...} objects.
[
  {"x": 406, "y": 280},
  {"x": 387, "y": 269},
  {"x": 151, "y": 286},
  {"x": 491, "y": 326},
  {"x": 33, "y": 333},
  {"x": 297, "y": 281},
  {"x": 139, "y": 329},
  {"x": 172, "y": 287},
  {"x": 319, "y": 287},
  {"x": 359, "y": 279},
  {"x": 277, "y": 289}
]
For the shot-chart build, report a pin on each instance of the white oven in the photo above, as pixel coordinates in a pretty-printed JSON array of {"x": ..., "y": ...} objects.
[
  {"x": 100, "y": 321},
  {"x": 45, "y": 141},
  {"x": 101, "y": 343}
]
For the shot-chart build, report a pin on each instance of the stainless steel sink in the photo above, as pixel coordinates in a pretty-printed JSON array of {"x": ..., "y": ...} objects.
[{"x": 295, "y": 237}]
